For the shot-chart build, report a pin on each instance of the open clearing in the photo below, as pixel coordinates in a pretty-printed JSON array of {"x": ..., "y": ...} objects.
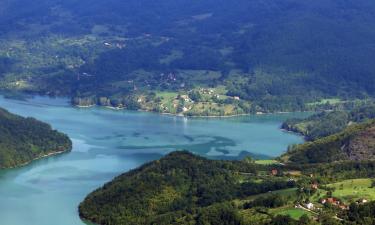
[{"x": 351, "y": 190}]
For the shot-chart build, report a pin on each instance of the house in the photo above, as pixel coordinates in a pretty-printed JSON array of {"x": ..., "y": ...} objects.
[
  {"x": 185, "y": 98},
  {"x": 309, "y": 206},
  {"x": 343, "y": 207},
  {"x": 328, "y": 200},
  {"x": 334, "y": 202},
  {"x": 274, "y": 172},
  {"x": 236, "y": 98},
  {"x": 361, "y": 201}
]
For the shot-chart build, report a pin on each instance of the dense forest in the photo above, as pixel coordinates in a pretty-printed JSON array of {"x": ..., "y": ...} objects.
[
  {"x": 329, "y": 122},
  {"x": 277, "y": 55},
  {"x": 25, "y": 139}
]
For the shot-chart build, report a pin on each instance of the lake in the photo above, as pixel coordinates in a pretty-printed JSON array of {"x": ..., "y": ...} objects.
[{"x": 108, "y": 142}]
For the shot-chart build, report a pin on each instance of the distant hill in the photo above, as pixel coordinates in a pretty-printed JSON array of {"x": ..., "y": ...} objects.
[
  {"x": 279, "y": 55},
  {"x": 355, "y": 143},
  {"x": 25, "y": 139}
]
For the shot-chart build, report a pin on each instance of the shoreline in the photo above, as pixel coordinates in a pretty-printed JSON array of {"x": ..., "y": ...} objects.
[
  {"x": 259, "y": 113},
  {"x": 295, "y": 133},
  {"x": 36, "y": 159},
  {"x": 186, "y": 116}
]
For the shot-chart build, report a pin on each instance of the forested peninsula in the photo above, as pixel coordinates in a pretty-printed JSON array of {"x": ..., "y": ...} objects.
[{"x": 23, "y": 140}]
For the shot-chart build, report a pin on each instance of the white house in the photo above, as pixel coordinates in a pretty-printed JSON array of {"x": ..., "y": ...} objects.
[{"x": 309, "y": 206}]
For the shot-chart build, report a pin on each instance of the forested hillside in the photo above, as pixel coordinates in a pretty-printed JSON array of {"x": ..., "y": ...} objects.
[
  {"x": 180, "y": 188},
  {"x": 277, "y": 55},
  {"x": 327, "y": 123},
  {"x": 356, "y": 142},
  {"x": 25, "y": 139}
]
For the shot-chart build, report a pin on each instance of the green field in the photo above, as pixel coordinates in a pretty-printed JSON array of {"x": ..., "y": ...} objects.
[
  {"x": 166, "y": 95},
  {"x": 351, "y": 190},
  {"x": 295, "y": 213},
  {"x": 331, "y": 101},
  {"x": 266, "y": 162}
]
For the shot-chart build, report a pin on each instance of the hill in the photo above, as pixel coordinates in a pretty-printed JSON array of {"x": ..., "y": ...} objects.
[
  {"x": 356, "y": 142},
  {"x": 327, "y": 123},
  {"x": 277, "y": 55},
  {"x": 25, "y": 139},
  {"x": 180, "y": 188}
]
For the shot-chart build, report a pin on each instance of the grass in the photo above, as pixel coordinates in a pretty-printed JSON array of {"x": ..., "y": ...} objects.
[
  {"x": 294, "y": 173},
  {"x": 295, "y": 213},
  {"x": 206, "y": 106},
  {"x": 320, "y": 193},
  {"x": 266, "y": 162},
  {"x": 288, "y": 193},
  {"x": 351, "y": 190},
  {"x": 253, "y": 216},
  {"x": 332, "y": 101},
  {"x": 167, "y": 95}
]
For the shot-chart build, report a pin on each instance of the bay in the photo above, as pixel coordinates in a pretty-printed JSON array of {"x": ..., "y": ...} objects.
[{"x": 107, "y": 143}]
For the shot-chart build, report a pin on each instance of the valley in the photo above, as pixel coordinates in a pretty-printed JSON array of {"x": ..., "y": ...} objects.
[{"x": 187, "y": 112}]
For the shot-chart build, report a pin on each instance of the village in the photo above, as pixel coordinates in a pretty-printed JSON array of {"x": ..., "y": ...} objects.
[{"x": 312, "y": 198}]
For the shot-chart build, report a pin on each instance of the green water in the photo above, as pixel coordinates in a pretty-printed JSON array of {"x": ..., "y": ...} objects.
[{"x": 107, "y": 143}]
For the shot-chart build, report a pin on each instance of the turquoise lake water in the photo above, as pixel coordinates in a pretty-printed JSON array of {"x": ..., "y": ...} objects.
[{"x": 107, "y": 143}]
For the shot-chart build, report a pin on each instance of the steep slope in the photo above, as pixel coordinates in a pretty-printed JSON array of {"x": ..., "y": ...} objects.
[
  {"x": 25, "y": 139},
  {"x": 356, "y": 142}
]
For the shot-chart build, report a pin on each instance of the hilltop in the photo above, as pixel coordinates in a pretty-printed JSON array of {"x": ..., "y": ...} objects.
[{"x": 180, "y": 188}]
